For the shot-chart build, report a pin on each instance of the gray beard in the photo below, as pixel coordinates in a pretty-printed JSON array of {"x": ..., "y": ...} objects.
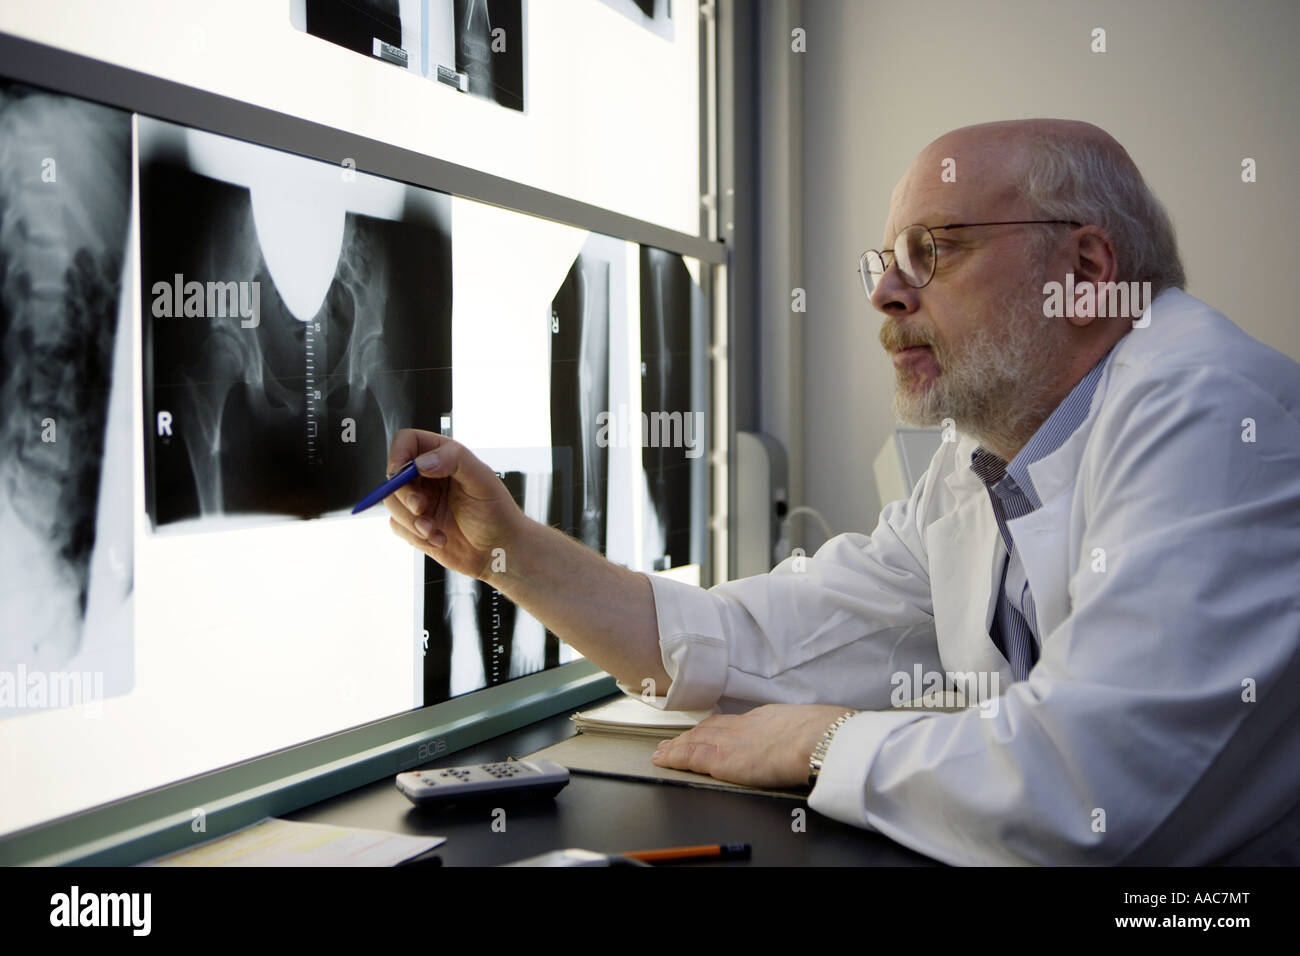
[{"x": 1001, "y": 385}]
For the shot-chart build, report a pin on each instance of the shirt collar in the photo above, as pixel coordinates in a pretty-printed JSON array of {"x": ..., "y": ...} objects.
[{"x": 1051, "y": 435}]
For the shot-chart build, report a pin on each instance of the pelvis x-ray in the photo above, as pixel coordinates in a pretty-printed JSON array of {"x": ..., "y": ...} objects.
[
  {"x": 65, "y": 389},
  {"x": 672, "y": 397},
  {"x": 477, "y": 46},
  {"x": 475, "y": 636},
  {"x": 296, "y": 315}
]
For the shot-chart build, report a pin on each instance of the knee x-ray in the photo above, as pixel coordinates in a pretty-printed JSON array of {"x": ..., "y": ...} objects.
[
  {"x": 296, "y": 316},
  {"x": 477, "y": 46},
  {"x": 65, "y": 391}
]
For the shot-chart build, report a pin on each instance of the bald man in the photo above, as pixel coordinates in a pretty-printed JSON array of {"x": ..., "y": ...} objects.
[{"x": 1076, "y": 642}]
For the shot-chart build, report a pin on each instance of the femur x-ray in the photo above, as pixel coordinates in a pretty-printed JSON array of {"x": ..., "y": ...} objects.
[
  {"x": 671, "y": 313},
  {"x": 579, "y": 393}
]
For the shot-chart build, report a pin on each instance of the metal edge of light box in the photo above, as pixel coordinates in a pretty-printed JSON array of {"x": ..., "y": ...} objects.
[{"x": 61, "y": 71}]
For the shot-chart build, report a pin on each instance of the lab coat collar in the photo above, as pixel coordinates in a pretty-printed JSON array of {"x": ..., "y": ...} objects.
[
  {"x": 1054, "y": 474},
  {"x": 1041, "y": 536},
  {"x": 970, "y": 529},
  {"x": 966, "y": 551}
]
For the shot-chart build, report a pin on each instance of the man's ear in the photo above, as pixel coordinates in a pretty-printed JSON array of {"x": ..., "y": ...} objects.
[{"x": 1092, "y": 258}]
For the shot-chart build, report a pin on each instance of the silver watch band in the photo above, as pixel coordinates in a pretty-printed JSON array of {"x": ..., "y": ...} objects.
[{"x": 823, "y": 745}]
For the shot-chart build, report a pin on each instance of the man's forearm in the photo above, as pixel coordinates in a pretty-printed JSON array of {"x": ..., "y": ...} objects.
[{"x": 604, "y": 611}]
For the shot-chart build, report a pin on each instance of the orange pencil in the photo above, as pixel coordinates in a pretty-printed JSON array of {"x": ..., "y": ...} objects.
[{"x": 721, "y": 851}]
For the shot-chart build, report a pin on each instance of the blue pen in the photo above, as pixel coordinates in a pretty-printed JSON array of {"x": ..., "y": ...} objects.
[{"x": 388, "y": 487}]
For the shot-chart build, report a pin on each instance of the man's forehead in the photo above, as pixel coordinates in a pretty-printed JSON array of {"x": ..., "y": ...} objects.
[
  {"x": 928, "y": 207},
  {"x": 924, "y": 196}
]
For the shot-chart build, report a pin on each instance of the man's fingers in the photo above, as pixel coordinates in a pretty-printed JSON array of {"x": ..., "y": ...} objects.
[
  {"x": 705, "y": 732},
  {"x": 450, "y": 459},
  {"x": 417, "y": 498},
  {"x": 697, "y": 749},
  {"x": 403, "y": 516},
  {"x": 413, "y": 498},
  {"x": 410, "y": 443},
  {"x": 718, "y": 720},
  {"x": 687, "y": 755},
  {"x": 416, "y": 501},
  {"x": 420, "y": 544}
]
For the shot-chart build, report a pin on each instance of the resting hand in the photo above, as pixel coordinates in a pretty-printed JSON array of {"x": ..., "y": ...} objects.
[{"x": 769, "y": 746}]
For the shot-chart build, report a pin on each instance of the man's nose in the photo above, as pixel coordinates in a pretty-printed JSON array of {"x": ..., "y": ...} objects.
[{"x": 893, "y": 296}]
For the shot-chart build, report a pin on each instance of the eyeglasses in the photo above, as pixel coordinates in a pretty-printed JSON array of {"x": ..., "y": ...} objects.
[{"x": 914, "y": 251}]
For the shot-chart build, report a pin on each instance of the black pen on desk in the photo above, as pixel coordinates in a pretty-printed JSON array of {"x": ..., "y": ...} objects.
[{"x": 403, "y": 477}]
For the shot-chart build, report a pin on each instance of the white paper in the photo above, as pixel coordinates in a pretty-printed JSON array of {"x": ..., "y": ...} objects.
[{"x": 273, "y": 842}]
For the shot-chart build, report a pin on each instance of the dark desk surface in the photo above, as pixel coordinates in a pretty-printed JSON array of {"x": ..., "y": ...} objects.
[{"x": 608, "y": 815}]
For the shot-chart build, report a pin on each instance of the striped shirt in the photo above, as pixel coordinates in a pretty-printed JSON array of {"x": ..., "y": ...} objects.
[{"x": 1012, "y": 494}]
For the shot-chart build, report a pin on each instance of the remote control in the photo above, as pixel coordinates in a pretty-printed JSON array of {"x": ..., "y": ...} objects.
[{"x": 531, "y": 778}]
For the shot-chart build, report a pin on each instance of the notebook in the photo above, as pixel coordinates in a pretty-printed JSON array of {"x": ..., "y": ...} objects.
[
  {"x": 631, "y": 717},
  {"x": 617, "y": 740}
]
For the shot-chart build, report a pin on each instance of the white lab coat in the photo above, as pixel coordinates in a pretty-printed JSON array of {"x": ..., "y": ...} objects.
[{"x": 1161, "y": 724}]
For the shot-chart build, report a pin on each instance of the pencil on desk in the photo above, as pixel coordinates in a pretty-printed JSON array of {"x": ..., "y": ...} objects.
[{"x": 722, "y": 851}]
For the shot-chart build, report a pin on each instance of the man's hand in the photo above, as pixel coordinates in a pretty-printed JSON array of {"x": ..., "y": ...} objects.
[
  {"x": 769, "y": 746},
  {"x": 458, "y": 511}
]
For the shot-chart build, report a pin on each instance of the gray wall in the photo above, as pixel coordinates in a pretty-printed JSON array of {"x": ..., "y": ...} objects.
[{"x": 1189, "y": 87}]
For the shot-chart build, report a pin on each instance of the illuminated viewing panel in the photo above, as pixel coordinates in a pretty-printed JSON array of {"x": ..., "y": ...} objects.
[{"x": 206, "y": 347}]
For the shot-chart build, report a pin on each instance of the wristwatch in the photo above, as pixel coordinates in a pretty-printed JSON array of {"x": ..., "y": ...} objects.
[{"x": 823, "y": 745}]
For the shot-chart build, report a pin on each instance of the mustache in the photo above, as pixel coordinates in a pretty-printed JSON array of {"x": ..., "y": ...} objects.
[{"x": 894, "y": 337}]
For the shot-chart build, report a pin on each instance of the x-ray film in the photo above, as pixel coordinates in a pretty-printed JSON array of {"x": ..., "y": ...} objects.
[
  {"x": 475, "y": 636},
  {"x": 66, "y": 576},
  {"x": 655, "y": 15},
  {"x": 672, "y": 405},
  {"x": 387, "y": 30},
  {"x": 580, "y": 333},
  {"x": 296, "y": 316},
  {"x": 477, "y": 47}
]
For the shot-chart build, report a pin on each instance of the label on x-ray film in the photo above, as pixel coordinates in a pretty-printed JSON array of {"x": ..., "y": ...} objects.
[
  {"x": 449, "y": 76},
  {"x": 386, "y": 51}
]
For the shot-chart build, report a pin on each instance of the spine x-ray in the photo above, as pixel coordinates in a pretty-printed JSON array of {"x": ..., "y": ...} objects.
[
  {"x": 65, "y": 390},
  {"x": 296, "y": 315},
  {"x": 474, "y": 636}
]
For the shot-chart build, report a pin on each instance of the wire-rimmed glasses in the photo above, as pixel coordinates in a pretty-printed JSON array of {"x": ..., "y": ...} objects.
[{"x": 914, "y": 252}]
